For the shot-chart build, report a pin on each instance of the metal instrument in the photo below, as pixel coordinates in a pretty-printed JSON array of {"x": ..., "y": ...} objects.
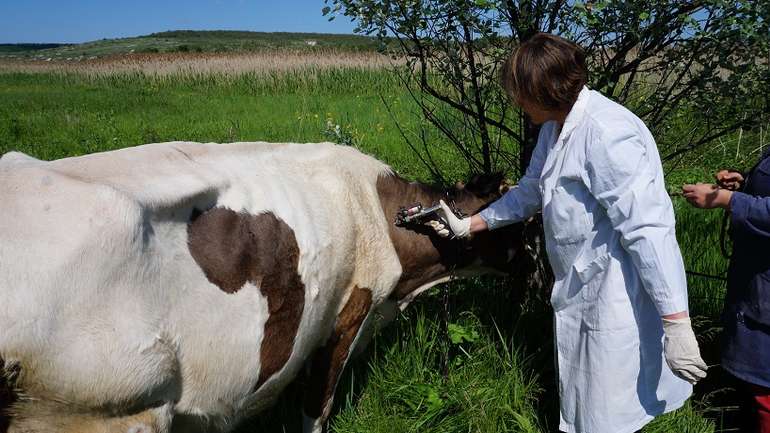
[{"x": 417, "y": 214}]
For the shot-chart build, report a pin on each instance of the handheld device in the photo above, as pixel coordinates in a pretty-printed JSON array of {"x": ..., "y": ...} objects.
[{"x": 417, "y": 214}]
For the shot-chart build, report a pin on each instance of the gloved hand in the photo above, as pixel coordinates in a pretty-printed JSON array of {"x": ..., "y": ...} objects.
[
  {"x": 461, "y": 227},
  {"x": 681, "y": 350}
]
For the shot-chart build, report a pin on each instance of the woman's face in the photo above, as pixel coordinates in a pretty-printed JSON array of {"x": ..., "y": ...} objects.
[{"x": 537, "y": 115}]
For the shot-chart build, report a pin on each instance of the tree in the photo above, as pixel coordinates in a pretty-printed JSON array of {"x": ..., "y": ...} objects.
[{"x": 693, "y": 70}]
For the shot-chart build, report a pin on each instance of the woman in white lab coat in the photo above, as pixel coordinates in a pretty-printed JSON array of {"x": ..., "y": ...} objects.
[{"x": 625, "y": 350}]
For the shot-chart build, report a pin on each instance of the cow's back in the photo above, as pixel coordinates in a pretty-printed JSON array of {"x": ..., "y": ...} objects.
[
  {"x": 72, "y": 254},
  {"x": 103, "y": 289}
]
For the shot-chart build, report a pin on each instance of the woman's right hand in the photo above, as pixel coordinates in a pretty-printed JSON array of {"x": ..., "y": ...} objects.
[
  {"x": 729, "y": 179},
  {"x": 450, "y": 224}
]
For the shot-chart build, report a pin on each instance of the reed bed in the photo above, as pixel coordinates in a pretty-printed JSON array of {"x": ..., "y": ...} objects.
[{"x": 228, "y": 64}]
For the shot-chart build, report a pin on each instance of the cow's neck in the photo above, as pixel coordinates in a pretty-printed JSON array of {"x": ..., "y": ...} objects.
[{"x": 425, "y": 258}]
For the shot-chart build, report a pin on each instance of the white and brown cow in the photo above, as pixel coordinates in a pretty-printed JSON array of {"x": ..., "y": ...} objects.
[{"x": 181, "y": 286}]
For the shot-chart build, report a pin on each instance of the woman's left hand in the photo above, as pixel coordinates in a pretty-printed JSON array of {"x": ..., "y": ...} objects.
[{"x": 707, "y": 196}]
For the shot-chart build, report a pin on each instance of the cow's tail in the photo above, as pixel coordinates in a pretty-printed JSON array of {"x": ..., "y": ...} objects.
[{"x": 8, "y": 396}]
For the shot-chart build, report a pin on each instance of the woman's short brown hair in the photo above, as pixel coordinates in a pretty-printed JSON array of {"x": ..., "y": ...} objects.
[{"x": 546, "y": 70}]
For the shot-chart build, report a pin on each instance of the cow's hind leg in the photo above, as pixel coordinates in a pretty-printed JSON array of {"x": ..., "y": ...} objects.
[
  {"x": 35, "y": 416},
  {"x": 7, "y": 395},
  {"x": 329, "y": 361}
]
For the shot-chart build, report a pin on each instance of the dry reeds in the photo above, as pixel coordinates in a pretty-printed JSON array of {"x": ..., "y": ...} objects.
[{"x": 203, "y": 63}]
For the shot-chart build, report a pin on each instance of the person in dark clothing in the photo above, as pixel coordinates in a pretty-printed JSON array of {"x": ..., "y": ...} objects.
[{"x": 746, "y": 316}]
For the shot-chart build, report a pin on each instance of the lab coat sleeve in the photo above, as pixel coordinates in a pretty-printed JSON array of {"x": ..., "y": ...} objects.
[
  {"x": 628, "y": 182},
  {"x": 750, "y": 214},
  {"x": 521, "y": 201}
]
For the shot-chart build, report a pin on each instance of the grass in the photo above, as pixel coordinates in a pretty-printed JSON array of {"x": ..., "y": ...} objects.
[
  {"x": 500, "y": 374},
  {"x": 84, "y": 113},
  {"x": 100, "y": 114},
  {"x": 487, "y": 388}
]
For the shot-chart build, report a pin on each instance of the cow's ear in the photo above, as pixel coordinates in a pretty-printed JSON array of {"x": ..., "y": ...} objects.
[
  {"x": 485, "y": 185},
  {"x": 505, "y": 185}
]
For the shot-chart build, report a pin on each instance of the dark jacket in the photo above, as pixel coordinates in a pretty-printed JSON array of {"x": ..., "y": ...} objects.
[{"x": 746, "y": 349}]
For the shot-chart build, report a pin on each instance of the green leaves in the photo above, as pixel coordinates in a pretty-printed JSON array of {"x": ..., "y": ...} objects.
[
  {"x": 485, "y": 4},
  {"x": 428, "y": 398},
  {"x": 657, "y": 56},
  {"x": 459, "y": 334}
]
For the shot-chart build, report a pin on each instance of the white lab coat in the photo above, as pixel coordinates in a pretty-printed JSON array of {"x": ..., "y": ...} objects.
[{"x": 609, "y": 231}]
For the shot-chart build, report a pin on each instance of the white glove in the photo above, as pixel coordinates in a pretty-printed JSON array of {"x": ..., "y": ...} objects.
[
  {"x": 681, "y": 350},
  {"x": 460, "y": 227}
]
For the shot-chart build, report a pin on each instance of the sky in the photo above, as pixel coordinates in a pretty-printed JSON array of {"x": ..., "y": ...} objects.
[{"x": 75, "y": 21}]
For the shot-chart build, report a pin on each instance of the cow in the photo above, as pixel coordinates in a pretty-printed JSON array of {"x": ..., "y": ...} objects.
[{"x": 179, "y": 287}]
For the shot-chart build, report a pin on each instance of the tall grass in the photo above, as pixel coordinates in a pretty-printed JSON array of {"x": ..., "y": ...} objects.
[
  {"x": 698, "y": 233},
  {"x": 488, "y": 387},
  {"x": 56, "y": 115},
  {"x": 221, "y": 64},
  {"x": 52, "y": 115}
]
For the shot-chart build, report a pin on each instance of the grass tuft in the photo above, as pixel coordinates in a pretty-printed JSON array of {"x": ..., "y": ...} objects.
[{"x": 488, "y": 387}]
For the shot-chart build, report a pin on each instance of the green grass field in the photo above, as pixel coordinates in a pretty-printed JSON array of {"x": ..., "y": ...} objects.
[{"x": 500, "y": 369}]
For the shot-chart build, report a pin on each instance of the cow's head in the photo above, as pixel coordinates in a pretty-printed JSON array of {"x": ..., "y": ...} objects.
[
  {"x": 499, "y": 250},
  {"x": 427, "y": 258}
]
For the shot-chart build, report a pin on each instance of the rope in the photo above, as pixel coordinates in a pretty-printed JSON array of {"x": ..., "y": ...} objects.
[
  {"x": 445, "y": 312},
  {"x": 445, "y": 331},
  {"x": 723, "y": 235},
  {"x": 700, "y": 274}
]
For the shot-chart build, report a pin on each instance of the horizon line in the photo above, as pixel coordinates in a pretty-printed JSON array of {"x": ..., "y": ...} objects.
[{"x": 182, "y": 30}]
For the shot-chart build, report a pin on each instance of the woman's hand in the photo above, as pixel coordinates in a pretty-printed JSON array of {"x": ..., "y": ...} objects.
[
  {"x": 707, "y": 196},
  {"x": 729, "y": 179},
  {"x": 681, "y": 350},
  {"x": 450, "y": 224},
  {"x": 459, "y": 227}
]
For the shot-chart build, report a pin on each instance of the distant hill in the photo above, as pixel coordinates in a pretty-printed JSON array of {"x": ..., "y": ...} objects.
[
  {"x": 191, "y": 41},
  {"x": 23, "y": 48}
]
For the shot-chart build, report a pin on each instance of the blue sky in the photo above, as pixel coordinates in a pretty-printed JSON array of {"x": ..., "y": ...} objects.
[{"x": 86, "y": 20}]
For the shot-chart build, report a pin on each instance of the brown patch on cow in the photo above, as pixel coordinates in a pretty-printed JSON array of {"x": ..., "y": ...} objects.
[
  {"x": 235, "y": 248},
  {"x": 7, "y": 398},
  {"x": 330, "y": 359}
]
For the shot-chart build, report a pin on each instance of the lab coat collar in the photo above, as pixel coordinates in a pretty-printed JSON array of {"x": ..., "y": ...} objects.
[{"x": 575, "y": 115}]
